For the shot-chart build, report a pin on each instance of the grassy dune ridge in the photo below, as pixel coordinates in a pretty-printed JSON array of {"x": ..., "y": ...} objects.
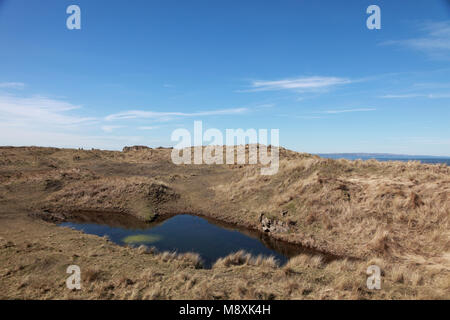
[{"x": 393, "y": 214}]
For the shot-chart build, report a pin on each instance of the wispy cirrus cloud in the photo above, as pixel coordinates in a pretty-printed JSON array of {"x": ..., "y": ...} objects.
[
  {"x": 148, "y": 127},
  {"x": 433, "y": 85},
  {"x": 40, "y": 120},
  {"x": 416, "y": 95},
  {"x": 39, "y": 111},
  {"x": 322, "y": 114},
  {"x": 435, "y": 40},
  {"x": 43, "y": 121},
  {"x": 300, "y": 84},
  {"x": 308, "y": 117},
  {"x": 64, "y": 139},
  {"x": 167, "y": 116},
  {"x": 110, "y": 129},
  {"x": 347, "y": 110},
  {"x": 12, "y": 85}
]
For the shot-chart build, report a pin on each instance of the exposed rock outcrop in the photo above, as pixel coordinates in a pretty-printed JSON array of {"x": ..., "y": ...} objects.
[{"x": 272, "y": 225}]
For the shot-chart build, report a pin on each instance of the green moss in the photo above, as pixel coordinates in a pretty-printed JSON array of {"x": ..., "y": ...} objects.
[{"x": 142, "y": 238}]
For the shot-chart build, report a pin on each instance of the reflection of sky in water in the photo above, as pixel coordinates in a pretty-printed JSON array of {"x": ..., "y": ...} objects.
[{"x": 184, "y": 233}]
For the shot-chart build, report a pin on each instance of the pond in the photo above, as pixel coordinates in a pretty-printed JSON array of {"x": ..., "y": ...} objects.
[{"x": 184, "y": 233}]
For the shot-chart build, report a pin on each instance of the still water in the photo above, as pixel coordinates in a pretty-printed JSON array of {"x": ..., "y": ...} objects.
[{"x": 185, "y": 233}]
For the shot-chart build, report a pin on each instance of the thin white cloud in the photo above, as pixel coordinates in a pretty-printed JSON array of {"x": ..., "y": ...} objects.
[
  {"x": 433, "y": 85},
  {"x": 264, "y": 106},
  {"x": 56, "y": 138},
  {"x": 308, "y": 117},
  {"x": 416, "y": 95},
  {"x": 110, "y": 129},
  {"x": 435, "y": 40},
  {"x": 400, "y": 96},
  {"x": 148, "y": 127},
  {"x": 298, "y": 84},
  {"x": 12, "y": 85},
  {"x": 337, "y": 111},
  {"x": 348, "y": 110},
  {"x": 43, "y": 121},
  {"x": 166, "y": 116},
  {"x": 439, "y": 96},
  {"x": 39, "y": 111}
]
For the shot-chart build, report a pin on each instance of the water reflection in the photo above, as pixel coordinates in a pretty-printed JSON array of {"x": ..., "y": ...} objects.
[{"x": 184, "y": 233}]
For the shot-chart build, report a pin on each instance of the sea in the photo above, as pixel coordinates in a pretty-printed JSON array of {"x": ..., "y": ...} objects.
[{"x": 386, "y": 157}]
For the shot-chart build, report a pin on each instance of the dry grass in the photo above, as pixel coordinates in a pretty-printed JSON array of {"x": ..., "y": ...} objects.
[
  {"x": 242, "y": 258},
  {"x": 393, "y": 214},
  {"x": 136, "y": 195},
  {"x": 392, "y": 208},
  {"x": 92, "y": 275}
]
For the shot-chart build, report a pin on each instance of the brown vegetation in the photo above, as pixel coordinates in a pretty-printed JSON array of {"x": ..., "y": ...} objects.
[{"x": 394, "y": 214}]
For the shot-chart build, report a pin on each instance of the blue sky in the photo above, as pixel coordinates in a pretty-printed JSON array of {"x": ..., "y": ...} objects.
[{"x": 137, "y": 70}]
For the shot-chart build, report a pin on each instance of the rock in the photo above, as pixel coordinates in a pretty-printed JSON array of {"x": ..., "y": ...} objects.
[
  {"x": 143, "y": 249},
  {"x": 272, "y": 225}
]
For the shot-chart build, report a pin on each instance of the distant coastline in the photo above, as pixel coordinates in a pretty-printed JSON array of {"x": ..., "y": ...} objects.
[{"x": 386, "y": 157}]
